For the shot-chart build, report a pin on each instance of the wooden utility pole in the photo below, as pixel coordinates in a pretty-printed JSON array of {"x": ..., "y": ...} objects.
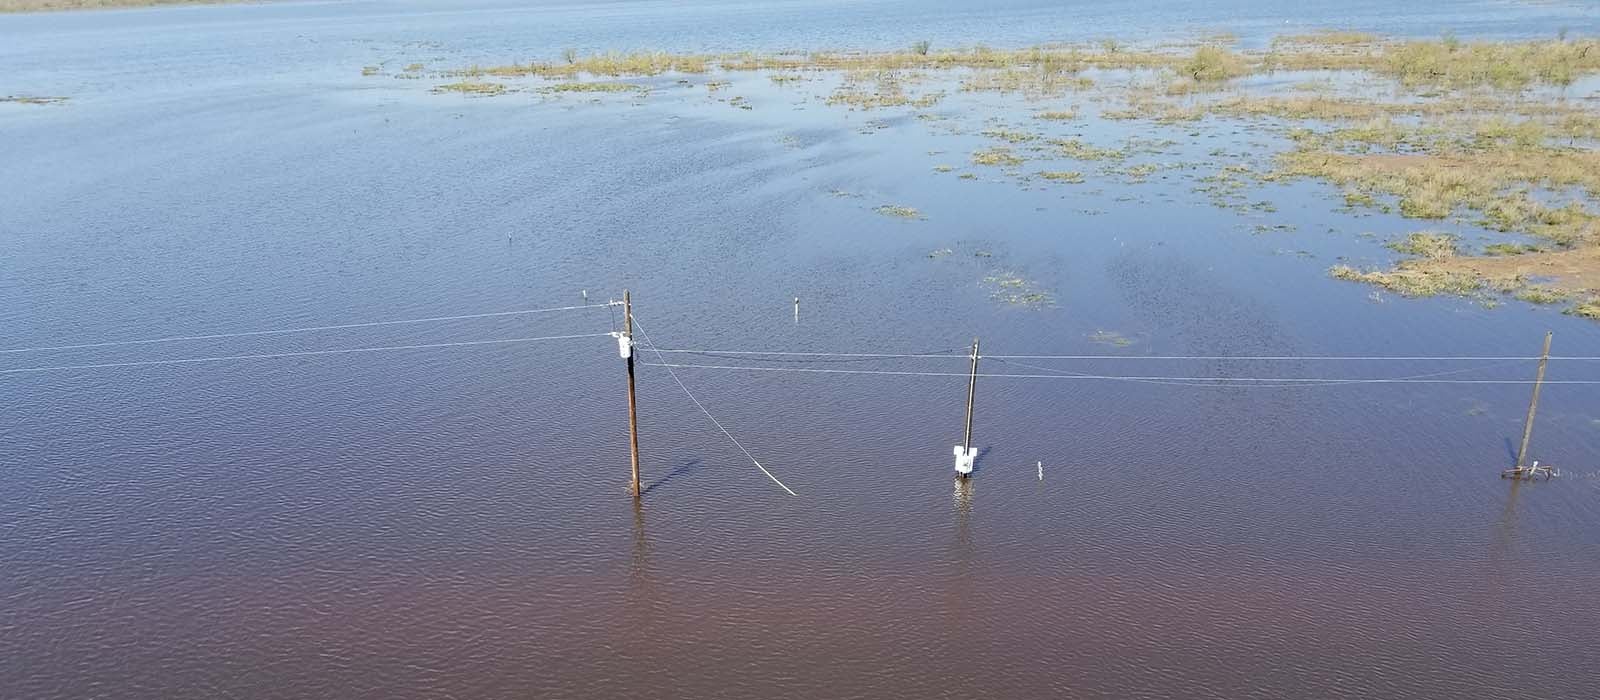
[
  {"x": 633, "y": 407},
  {"x": 972, "y": 391},
  {"x": 1523, "y": 469},
  {"x": 965, "y": 453}
]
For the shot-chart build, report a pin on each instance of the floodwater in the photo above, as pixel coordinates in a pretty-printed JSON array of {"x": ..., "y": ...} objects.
[{"x": 453, "y": 522}]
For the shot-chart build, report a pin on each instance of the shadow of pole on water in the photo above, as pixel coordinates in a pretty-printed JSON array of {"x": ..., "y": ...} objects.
[
  {"x": 977, "y": 462},
  {"x": 685, "y": 469}
]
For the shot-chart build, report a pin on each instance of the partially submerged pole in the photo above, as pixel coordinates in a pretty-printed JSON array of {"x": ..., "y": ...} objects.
[
  {"x": 965, "y": 453},
  {"x": 1523, "y": 468},
  {"x": 625, "y": 343}
]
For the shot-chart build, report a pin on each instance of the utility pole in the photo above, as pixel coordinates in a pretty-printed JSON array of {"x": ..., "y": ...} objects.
[
  {"x": 965, "y": 453},
  {"x": 625, "y": 346},
  {"x": 1523, "y": 469}
]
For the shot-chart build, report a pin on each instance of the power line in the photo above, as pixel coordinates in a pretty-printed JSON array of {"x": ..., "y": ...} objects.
[
  {"x": 837, "y": 358},
  {"x": 216, "y": 336},
  {"x": 702, "y": 408},
  {"x": 935, "y": 353},
  {"x": 1252, "y": 358},
  {"x": 1155, "y": 378},
  {"x": 1260, "y": 386},
  {"x": 306, "y": 353},
  {"x": 1287, "y": 358}
]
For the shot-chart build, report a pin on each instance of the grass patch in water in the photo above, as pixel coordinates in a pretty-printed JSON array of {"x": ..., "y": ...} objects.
[
  {"x": 473, "y": 88},
  {"x": 1211, "y": 64},
  {"x": 1426, "y": 244},
  {"x": 1111, "y": 338},
  {"x": 1068, "y": 176},
  {"x": 60, "y": 5},
  {"x": 1412, "y": 282},
  {"x": 1494, "y": 249},
  {"x": 898, "y": 211},
  {"x": 1057, "y": 115},
  {"x": 1012, "y": 288},
  {"x": 1010, "y": 136},
  {"x": 1534, "y": 294},
  {"x": 592, "y": 87},
  {"x": 1078, "y": 150},
  {"x": 1589, "y": 309},
  {"x": 33, "y": 99},
  {"x": 997, "y": 156}
]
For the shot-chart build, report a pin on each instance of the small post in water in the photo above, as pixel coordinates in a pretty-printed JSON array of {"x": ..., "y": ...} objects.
[
  {"x": 966, "y": 454},
  {"x": 625, "y": 347},
  {"x": 1523, "y": 468},
  {"x": 797, "y": 309}
]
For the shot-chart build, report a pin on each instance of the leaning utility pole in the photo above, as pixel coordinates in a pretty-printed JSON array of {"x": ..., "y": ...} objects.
[{"x": 1523, "y": 469}]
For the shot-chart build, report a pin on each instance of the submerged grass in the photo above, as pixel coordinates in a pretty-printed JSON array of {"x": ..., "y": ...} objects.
[
  {"x": 898, "y": 211},
  {"x": 33, "y": 99},
  {"x": 593, "y": 87},
  {"x": 1413, "y": 282},
  {"x": 474, "y": 88},
  {"x": 1426, "y": 244},
  {"x": 1068, "y": 176},
  {"x": 55, "y": 5},
  {"x": 998, "y": 156},
  {"x": 1463, "y": 139}
]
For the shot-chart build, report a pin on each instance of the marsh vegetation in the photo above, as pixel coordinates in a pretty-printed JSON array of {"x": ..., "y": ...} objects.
[
  {"x": 1458, "y": 133},
  {"x": 57, "y": 5}
]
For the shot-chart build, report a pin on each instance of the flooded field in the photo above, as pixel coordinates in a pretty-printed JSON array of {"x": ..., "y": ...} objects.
[{"x": 1180, "y": 231}]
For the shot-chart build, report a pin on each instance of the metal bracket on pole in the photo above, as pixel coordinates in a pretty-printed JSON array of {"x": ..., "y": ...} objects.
[{"x": 965, "y": 458}]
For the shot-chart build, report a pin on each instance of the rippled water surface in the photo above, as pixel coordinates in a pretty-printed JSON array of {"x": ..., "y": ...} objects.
[{"x": 453, "y": 522}]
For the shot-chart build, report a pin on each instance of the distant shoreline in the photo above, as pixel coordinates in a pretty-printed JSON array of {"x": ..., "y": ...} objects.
[{"x": 20, "y": 6}]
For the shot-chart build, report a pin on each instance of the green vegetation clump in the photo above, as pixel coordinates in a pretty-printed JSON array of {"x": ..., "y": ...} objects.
[
  {"x": 1541, "y": 295},
  {"x": 54, "y": 5},
  {"x": 1057, "y": 115},
  {"x": 1589, "y": 309},
  {"x": 996, "y": 156},
  {"x": 1078, "y": 150},
  {"x": 33, "y": 99},
  {"x": 1012, "y": 288},
  {"x": 1069, "y": 176},
  {"x": 1112, "y": 338},
  {"x": 1449, "y": 63},
  {"x": 474, "y": 88},
  {"x": 1426, "y": 244},
  {"x": 593, "y": 87},
  {"x": 1413, "y": 282},
  {"x": 1212, "y": 64},
  {"x": 1500, "y": 249},
  {"x": 898, "y": 211},
  {"x": 1009, "y": 135}
]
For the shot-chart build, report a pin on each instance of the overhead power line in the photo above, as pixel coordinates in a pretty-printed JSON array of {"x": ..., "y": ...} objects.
[
  {"x": 307, "y": 353},
  {"x": 702, "y": 408},
  {"x": 950, "y": 354},
  {"x": 1117, "y": 377},
  {"x": 307, "y": 329}
]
